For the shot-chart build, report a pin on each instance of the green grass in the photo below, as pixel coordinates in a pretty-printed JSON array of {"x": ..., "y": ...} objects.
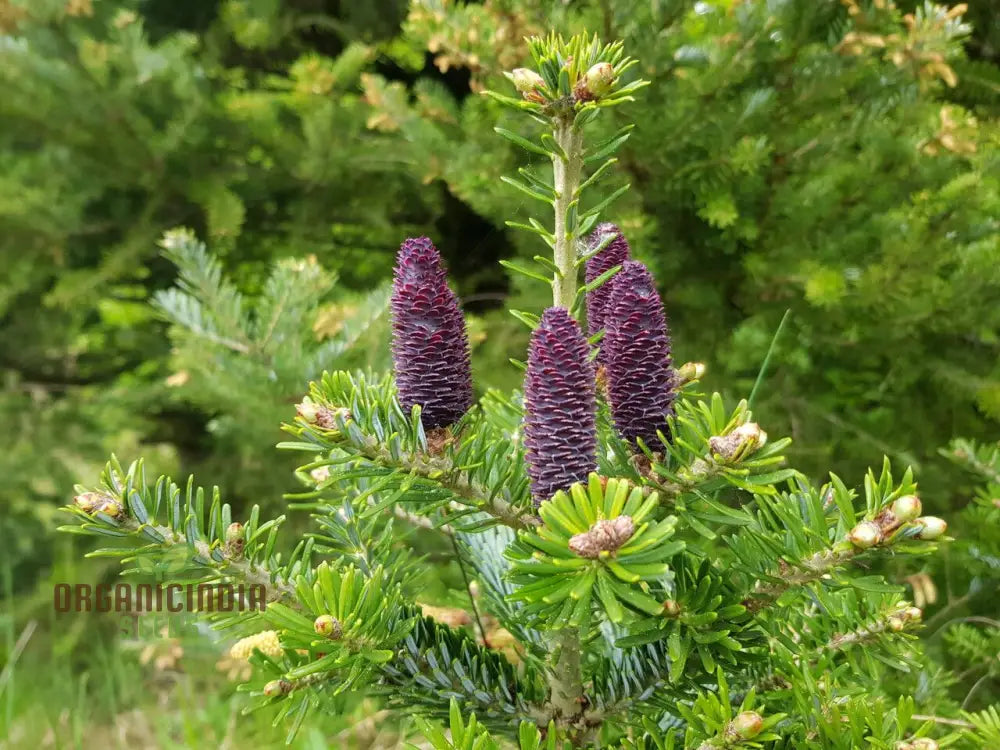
[
  {"x": 76, "y": 680},
  {"x": 73, "y": 681}
]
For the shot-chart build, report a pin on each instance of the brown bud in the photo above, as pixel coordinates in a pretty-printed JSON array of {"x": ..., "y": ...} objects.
[
  {"x": 607, "y": 535},
  {"x": 329, "y": 626},
  {"x": 88, "y": 501},
  {"x": 671, "y": 608},
  {"x": 319, "y": 415},
  {"x": 740, "y": 443},
  {"x": 98, "y": 502},
  {"x": 234, "y": 540}
]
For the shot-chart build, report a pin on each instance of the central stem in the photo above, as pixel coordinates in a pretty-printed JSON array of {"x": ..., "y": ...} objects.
[
  {"x": 565, "y": 682},
  {"x": 566, "y": 179},
  {"x": 565, "y": 678}
]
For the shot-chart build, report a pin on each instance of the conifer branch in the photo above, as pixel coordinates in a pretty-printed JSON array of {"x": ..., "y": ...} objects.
[
  {"x": 422, "y": 522},
  {"x": 126, "y": 507},
  {"x": 467, "y": 461},
  {"x": 224, "y": 560},
  {"x": 446, "y": 475},
  {"x": 895, "y": 620},
  {"x": 807, "y": 571}
]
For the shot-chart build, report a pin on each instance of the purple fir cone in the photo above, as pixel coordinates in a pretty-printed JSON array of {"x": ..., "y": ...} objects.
[
  {"x": 560, "y": 432},
  {"x": 614, "y": 253},
  {"x": 637, "y": 355},
  {"x": 430, "y": 348}
]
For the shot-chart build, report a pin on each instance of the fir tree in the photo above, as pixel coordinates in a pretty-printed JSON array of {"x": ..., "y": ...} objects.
[{"x": 697, "y": 593}]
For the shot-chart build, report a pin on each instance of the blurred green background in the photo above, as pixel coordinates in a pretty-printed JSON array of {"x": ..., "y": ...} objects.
[{"x": 836, "y": 159}]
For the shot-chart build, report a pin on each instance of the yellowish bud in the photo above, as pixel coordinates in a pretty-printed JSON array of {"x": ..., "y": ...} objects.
[
  {"x": 690, "y": 371},
  {"x": 320, "y": 415},
  {"x": 907, "y": 507},
  {"x": 748, "y": 724},
  {"x": 599, "y": 80},
  {"x": 865, "y": 535},
  {"x": 277, "y": 687},
  {"x": 266, "y": 642},
  {"x": 307, "y": 409},
  {"x": 97, "y": 502},
  {"x": 526, "y": 80},
  {"x": 329, "y": 626},
  {"x": 931, "y": 527}
]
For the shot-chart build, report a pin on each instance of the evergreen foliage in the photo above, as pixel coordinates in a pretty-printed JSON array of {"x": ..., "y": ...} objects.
[
  {"x": 243, "y": 359},
  {"x": 696, "y": 592},
  {"x": 807, "y": 159},
  {"x": 118, "y": 126}
]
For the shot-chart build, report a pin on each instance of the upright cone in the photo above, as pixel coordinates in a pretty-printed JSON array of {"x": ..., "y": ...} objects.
[
  {"x": 430, "y": 347},
  {"x": 560, "y": 431},
  {"x": 614, "y": 253},
  {"x": 636, "y": 355}
]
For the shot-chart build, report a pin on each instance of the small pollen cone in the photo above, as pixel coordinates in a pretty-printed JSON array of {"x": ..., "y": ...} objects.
[
  {"x": 636, "y": 355},
  {"x": 560, "y": 431},
  {"x": 267, "y": 642},
  {"x": 430, "y": 347}
]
